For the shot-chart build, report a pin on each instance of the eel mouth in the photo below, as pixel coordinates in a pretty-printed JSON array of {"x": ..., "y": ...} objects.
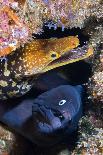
[{"x": 74, "y": 55}]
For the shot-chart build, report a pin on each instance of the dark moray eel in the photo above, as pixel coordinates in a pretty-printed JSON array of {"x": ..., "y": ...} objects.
[
  {"x": 46, "y": 119},
  {"x": 56, "y": 114},
  {"x": 19, "y": 69}
]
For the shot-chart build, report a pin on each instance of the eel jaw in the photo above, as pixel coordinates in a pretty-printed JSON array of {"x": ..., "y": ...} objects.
[{"x": 74, "y": 55}]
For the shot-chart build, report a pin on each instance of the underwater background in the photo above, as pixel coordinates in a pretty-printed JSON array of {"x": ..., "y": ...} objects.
[{"x": 88, "y": 139}]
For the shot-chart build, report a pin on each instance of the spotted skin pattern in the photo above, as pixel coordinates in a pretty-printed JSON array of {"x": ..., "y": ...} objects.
[
  {"x": 19, "y": 69},
  {"x": 12, "y": 85}
]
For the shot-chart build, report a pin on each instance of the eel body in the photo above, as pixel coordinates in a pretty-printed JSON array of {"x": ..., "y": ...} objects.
[
  {"x": 48, "y": 118},
  {"x": 19, "y": 69}
]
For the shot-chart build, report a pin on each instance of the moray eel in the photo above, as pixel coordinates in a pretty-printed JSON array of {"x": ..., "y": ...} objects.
[
  {"x": 48, "y": 118},
  {"x": 19, "y": 69},
  {"x": 56, "y": 114}
]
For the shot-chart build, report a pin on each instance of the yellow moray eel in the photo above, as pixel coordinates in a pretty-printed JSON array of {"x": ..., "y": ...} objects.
[{"x": 18, "y": 69}]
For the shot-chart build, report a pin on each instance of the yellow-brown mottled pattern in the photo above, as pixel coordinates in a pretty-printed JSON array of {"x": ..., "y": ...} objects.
[
  {"x": 3, "y": 83},
  {"x": 35, "y": 56},
  {"x": 18, "y": 69},
  {"x": 11, "y": 86}
]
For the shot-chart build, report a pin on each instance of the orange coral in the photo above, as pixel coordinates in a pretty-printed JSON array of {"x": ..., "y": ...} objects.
[{"x": 6, "y": 51}]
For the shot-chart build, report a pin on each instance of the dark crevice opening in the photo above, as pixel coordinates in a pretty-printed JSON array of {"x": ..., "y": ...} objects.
[{"x": 58, "y": 33}]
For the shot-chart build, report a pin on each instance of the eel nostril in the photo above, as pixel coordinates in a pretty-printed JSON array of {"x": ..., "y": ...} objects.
[{"x": 59, "y": 115}]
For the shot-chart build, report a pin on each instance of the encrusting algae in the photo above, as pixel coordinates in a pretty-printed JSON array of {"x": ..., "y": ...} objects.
[
  {"x": 12, "y": 29},
  {"x": 90, "y": 139}
]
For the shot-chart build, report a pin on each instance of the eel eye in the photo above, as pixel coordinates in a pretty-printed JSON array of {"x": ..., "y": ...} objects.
[
  {"x": 62, "y": 102},
  {"x": 54, "y": 55}
]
